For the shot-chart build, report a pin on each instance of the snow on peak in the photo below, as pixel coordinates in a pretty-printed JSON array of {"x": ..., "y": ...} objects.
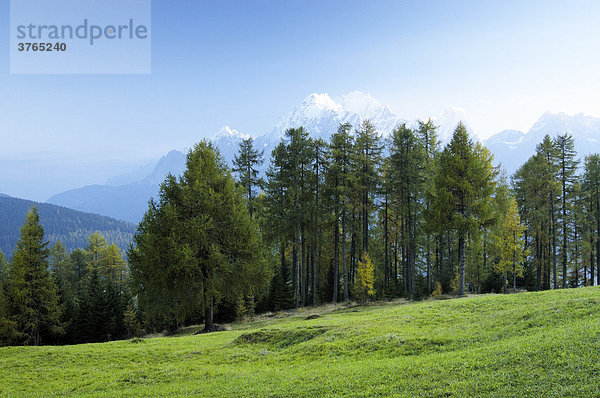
[
  {"x": 360, "y": 103},
  {"x": 448, "y": 120},
  {"x": 315, "y": 104},
  {"x": 228, "y": 132}
]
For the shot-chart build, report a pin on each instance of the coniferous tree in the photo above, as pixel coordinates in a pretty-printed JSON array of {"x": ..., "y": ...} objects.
[
  {"x": 567, "y": 169},
  {"x": 407, "y": 159},
  {"x": 66, "y": 283},
  {"x": 365, "y": 280},
  {"x": 465, "y": 181},
  {"x": 547, "y": 151},
  {"x": 508, "y": 242},
  {"x": 591, "y": 187},
  {"x": 427, "y": 133},
  {"x": 338, "y": 181},
  {"x": 368, "y": 160},
  {"x": 246, "y": 163},
  {"x": 198, "y": 244},
  {"x": 8, "y": 331},
  {"x": 32, "y": 295}
]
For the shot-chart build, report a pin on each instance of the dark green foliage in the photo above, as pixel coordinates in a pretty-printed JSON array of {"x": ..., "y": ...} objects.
[
  {"x": 246, "y": 164},
  {"x": 32, "y": 293},
  {"x": 69, "y": 226},
  {"x": 464, "y": 184},
  {"x": 197, "y": 244}
]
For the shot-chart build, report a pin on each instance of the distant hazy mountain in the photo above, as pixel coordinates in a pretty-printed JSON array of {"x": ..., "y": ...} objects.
[
  {"x": 69, "y": 226},
  {"x": 124, "y": 202},
  {"x": 512, "y": 148},
  {"x": 125, "y": 196}
]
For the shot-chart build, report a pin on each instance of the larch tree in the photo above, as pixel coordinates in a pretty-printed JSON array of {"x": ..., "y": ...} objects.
[
  {"x": 464, "y": 183},
  {"x": 407, "y": 161},
  {"x": 338, "y": 184},
  {"x": 365, "y": 281},
  {"x": 591, "y": 187},
  {"x": 245, "y": 164},
  {"x": 567, "y": 169},
  {"x": 368, "y": 160},
  {"x": 198, "y": 243},
  {"x": 508, "y": 242}
]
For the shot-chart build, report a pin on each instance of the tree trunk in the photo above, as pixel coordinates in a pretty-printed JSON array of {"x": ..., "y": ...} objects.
[
  {"x": 564, "y": 222},
  {"x": 461, "y": 264},
  {"x": 209, "y": 326},
  {"x": 553, "y": 231},
  {"x": 304, "y": 268},
  {"x": 336, "y": 257},
  {"x": 344, "y": 267},
  {"x": 597, "y": 240},
  {"x": 386, "y": 271}
]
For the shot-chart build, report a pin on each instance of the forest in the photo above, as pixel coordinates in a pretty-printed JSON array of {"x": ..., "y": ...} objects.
[
  {"x": 359, "y": 218},
  {"x": 71, "y": 227}
]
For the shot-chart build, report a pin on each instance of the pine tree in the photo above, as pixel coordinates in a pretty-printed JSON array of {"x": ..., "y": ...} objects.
[{"x": 32, "y": 296}]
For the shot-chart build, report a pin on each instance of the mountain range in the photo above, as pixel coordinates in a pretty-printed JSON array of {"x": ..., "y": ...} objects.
[
  {"x": 71, "y": 227},
  {"x": 125, "y": 196}
]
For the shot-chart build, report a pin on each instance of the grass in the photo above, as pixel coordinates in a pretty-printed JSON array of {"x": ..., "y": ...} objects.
[{"x": 529, "y": 344}]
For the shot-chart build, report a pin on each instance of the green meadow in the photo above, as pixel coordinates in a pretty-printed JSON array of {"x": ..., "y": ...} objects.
[{"x": 528, "y": 344}]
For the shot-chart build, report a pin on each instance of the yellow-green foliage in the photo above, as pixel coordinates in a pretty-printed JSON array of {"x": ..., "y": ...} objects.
[
  {"x": 509, "y": 242},
  {"x": 365, "y": 280},
  {"x": 437, "y": 291}
]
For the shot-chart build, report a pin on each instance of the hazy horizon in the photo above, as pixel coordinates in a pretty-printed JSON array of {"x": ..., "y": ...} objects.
[{"x": 246, "y": 64}]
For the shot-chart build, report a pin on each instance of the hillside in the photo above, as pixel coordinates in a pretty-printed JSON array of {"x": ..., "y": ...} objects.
[
  {"x": 69, "y": 226},
  {"x": 529, "y": 344}
]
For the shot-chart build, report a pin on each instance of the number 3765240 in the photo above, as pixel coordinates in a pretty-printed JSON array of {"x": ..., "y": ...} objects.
[{"x": 42, "y": 47}]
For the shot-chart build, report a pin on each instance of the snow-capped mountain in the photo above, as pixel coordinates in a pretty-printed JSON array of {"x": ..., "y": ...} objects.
[
  {"x": 448, "y": 120},
  {"x": 321, "y": 115},
  {"x": 512, "y": 148},
  {"x": 125, "y": 196}
]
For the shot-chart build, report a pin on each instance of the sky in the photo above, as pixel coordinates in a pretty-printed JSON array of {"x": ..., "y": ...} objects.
[{"x": 247, "y": 63}]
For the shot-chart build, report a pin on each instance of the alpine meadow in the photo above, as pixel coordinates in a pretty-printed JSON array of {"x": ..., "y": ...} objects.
[{"x": 382, "y": 211}]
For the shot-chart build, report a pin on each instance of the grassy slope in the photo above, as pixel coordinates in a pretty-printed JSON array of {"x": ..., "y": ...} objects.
[{"x": 530, "y": 344}]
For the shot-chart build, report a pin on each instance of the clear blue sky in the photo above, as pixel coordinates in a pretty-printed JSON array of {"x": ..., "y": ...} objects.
[{"x": 246, "y": 63}]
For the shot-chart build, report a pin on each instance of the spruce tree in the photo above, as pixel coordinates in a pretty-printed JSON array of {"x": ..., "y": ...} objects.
[{"x": 32, "y": 295}]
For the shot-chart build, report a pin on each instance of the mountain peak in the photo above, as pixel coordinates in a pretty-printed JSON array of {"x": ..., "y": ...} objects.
[
  {"x": 228, "y": 132},
  {"x": 449, "y": 119},
  {"x": 361, "y": 103},
  {"x": 315, "y": 104}
]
